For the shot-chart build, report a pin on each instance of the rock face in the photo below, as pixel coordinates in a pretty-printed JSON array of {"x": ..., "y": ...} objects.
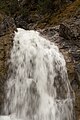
[
  {"x": 70, "y": 31},
  {"x": 7, "y": 28},
  {"x": 71, "y": 34},
  {"x": 65, "y": 32},
  {"x": 67, "y": 37}
]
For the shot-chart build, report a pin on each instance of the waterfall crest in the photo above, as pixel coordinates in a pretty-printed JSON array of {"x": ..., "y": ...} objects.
[{"x": 38, "y": 87}]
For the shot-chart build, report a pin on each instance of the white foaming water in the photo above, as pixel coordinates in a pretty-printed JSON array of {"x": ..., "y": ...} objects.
[{"x": 38, "y": 86}]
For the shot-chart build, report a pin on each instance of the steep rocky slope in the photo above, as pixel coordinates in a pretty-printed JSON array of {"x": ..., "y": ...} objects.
[
  {"x": 7, "y": 28},
  {"x": 31, "y": 16},
  {"x": 67, "y": 37}
]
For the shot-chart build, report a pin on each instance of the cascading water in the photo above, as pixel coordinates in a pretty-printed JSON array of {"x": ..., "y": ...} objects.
[{"x": 38, "y": 86}]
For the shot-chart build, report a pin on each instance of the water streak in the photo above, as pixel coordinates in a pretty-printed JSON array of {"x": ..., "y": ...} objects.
[{"x": 38, "y": 87}]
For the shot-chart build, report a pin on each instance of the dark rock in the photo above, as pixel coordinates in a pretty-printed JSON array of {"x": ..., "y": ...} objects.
[
  {"x": 76, "y": 56},
  {"x": 50, "y": 33},
  {"x": 7, "y": 28},
  {"x": 21, "y": 22},
  {"x": 75, "y": 83},
  {"x": 6, "y": 25},
  {"x": 77, "y": 68},
  {"x": 67, "y": 38},
  {"x": 70, "y": 31},
  {"x": 65, "y": 32}
]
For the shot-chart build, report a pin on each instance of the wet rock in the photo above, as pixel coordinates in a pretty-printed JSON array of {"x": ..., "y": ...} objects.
[
  {"x": 67, "y": 38},
  {"x": 77, "y": 68},
  {"x": 7, "y": 25},
  {"x": 7, "y": 28},
  {"x": 75, "y": 83},
  {"x": 51, "y": 33},
  {"x": 65, "y": 32},
  {"x": 76, "y": 56},
  {"x": 21, "y": 22},
  {"x": 70, "y": 31}
]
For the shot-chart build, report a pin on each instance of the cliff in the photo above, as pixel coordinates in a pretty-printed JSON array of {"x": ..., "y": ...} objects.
[
  {"x": 7, "y": 28},
  {"x": 43, "y": 16}
]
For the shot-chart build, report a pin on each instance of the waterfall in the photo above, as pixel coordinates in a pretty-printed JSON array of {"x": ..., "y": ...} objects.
[{"x": 37, "y": 87}]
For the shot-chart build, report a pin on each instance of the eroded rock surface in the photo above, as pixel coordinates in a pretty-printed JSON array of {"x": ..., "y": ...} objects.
[
  {"x": 67, "y": 37},
  {"x": 7, "y": 28}
]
